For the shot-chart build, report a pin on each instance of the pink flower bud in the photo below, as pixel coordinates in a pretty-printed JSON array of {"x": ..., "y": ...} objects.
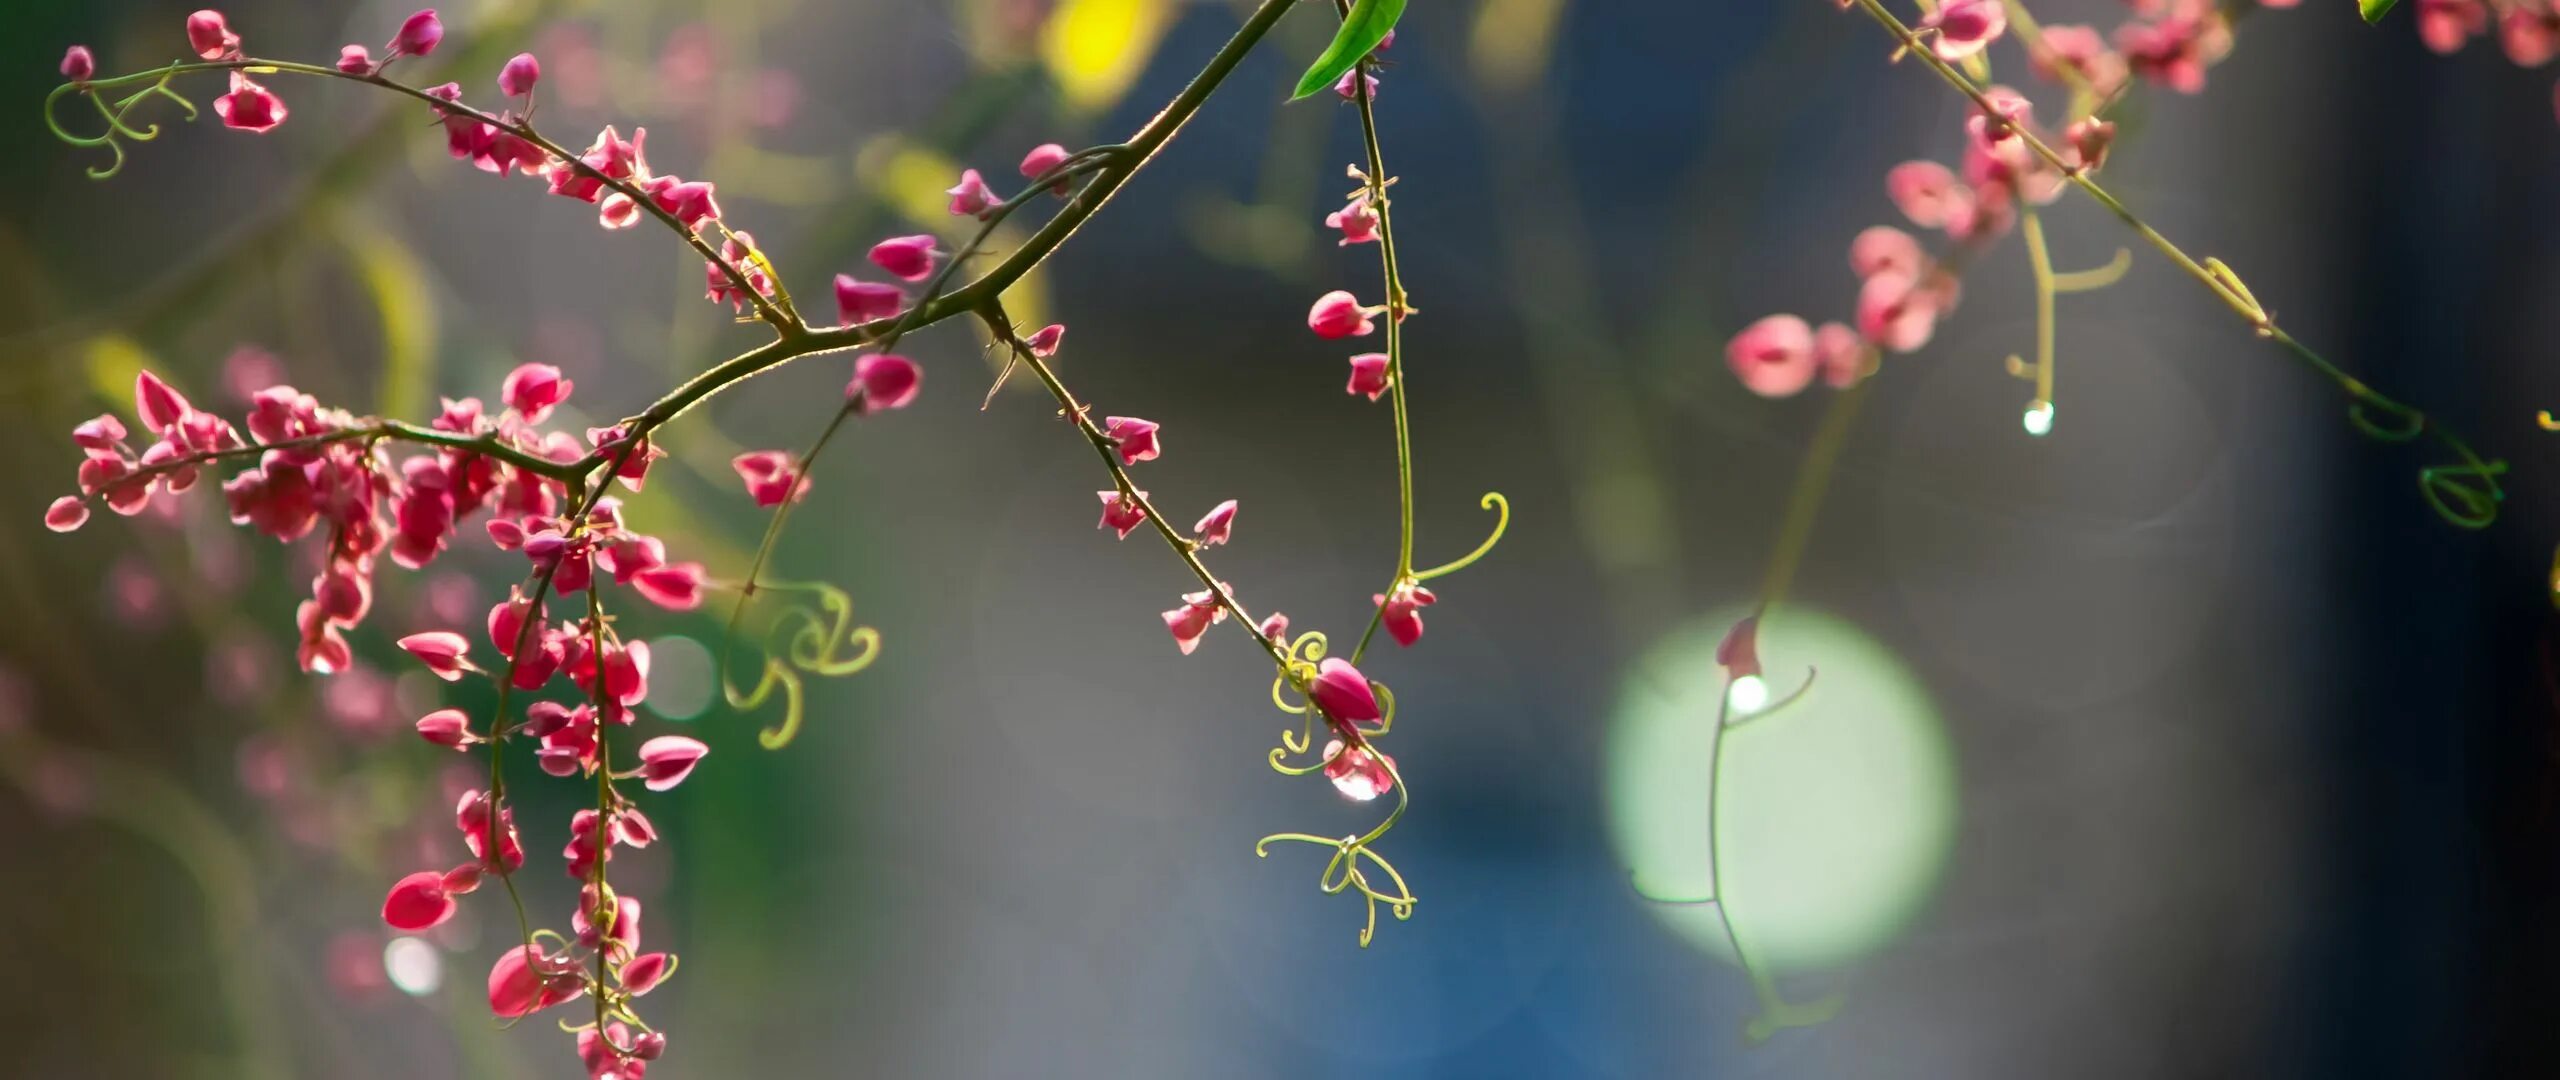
[
  {"x": 159, "y": 405},
  {"x": 1927, "y": 193},
  {"x": 665, "y": 760},
  {"x": 882, "y": 382},
  {"x": 1841, "y": 354},
  {"x": 860, "y": 301},
  {"x": 517, "y": 78},
  {"x": 1118, "y": 512},
  {"x": 1895, "y": 313},
  {"x": 209, "y": 36},
  {"x": 1358, "y": 223},
  {"x": 1739, "y": 652},
  {"x": 909, "y": 258},
  {"x": 355, "y": 60},
  {"x": 675, "y": 587},
  {"x": 1358, "y": 773},
  {"x": 418, "y": 35},
  {"x": 1044, "y": 341},
  {"x": 441, "y": 650},
  {"x": 524, "y": 982},
  {"x": 1043, "y": 158},
  {"x": 67, "y": 513},
  {"x": 1401, "y": 612},
  {"x": 1882, "y": 249},
  {"x": 446, "y": 727},
  {"x": 1773, "y": 357},
  {"x": 249, "y": 107},
  {"x": 648, "y": 1045},
  {"x": 1136, "y": 438},
  {"x": 463, "y": 879},
  {"x": 1350, "y": 91},
  {"x": 77, "y": 64},
  {"x": 643, "y": 974},
  {"x": 971, "y": 196},
  {"x": 1199, "y": 612},
  {"x": 418, "y": 902},
  {"x": 1369, "y": 375},
  {"x": 1338, "y": 314},
  {"x": 1275, "y": 628},
  {"x": 532, "y": 389},
  {"x": 99, "y": 435},
  {"x": 1215, "y": 525},
  {"x": 1343, "y": 693},
  {"x": 693, "y": 202}
]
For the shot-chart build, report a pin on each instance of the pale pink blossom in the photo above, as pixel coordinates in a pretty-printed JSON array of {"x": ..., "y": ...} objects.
[
  {"x": 665, "y": 760},
  {"x": 1338, "y": 314},
  {"x": 1215, "y": 525},
  {"x": 1964, "y": 27},
  {"x": 1358, "y": 773},
  {"x": 1121, "y": 513},
  {"x": 971, "y": 197},
  {"x": 1773, "y": 357},
  {"x": 1357, "y": 222},
  {"x": 1135, "y": 438},
  {"x": 441, "y": 650},
  {"x": 1199, "y": 611}
]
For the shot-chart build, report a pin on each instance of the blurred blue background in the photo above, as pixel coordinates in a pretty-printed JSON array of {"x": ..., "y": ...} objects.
[{"x": 2248, "y": 761}]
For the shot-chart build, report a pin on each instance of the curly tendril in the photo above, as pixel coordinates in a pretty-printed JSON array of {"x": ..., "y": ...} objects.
[
  {"x": 1493, "y": 501},
  {"x": 804, "y": 639},
  {"x": 114, "y": 115},
  {"x": 1343, "y": 872}
]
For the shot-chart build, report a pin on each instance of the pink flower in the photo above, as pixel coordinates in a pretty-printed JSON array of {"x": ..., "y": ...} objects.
[
  {"x": 532, "y": 389},
  {"x": 863, "y": 301},
  {"x": 1350, "y": 91},
  {"x": 1841, "y": 355},
  {"x": 1369, "y": 375},
  {"x": 1895, "y": 313},
  {"x": 209, "y": 36},
  {"x": 643, "y": 974},
  {"x": 355, "y": 60},
  {"x": 1343, "y": 693},
  {"x": 2081, "y": 49},
  {"x": 1215, "y": 525},
  {"x": 1773, "y": 357},
  {"x": 69, "y": 512},
  {"x": 1136, "y": 438},
  {"x": 1992, "y": 128},
  {"x": 1338, "y": 314},
  {"x": 1401, "y": 612},
  {"x": 493, "y": 842},
  {"x": 77, "y": 64},
  {"x": 1199, "y": 612},
  {"x": 883, "y": 381},
  {"x": 524, "y": 982},
  {"x": 2445, "y": 24},
  {"x": 418, "y": 35},
  {"x": 1358, "y": 223},
  {"x": 1275, "y": 628},
  {"x": 1043, "y": 158},
  {"x": 909, "y": 258},
  {"x": 2529, "y": 37},
  {"x": 517, "y": 78},
  {"x": 970, "y": 197},
  {"x": 418, "y": 902},
  {"x": 1358, "y": 773},
  {"x": 1964, "y": 27},
  {"x": 665, "y": 760},
  {"x": 1927, "y": 193},
  {"x": 249, "y": 107},
  {"x": 1044, "y": 341},
  {"x": 446, "y": 727},
  {"x": 1884, "y": 248},
  {"x": 693, "y": 202},
  {"x": 1118, "y": 512},
  {"x": 675, "y": 586},
  {"x": 771, "y": 476},
  {"x": 100, "y": 434},
  {"x": 441, "y": 650},
  {"x": 1739, "y": 652}
]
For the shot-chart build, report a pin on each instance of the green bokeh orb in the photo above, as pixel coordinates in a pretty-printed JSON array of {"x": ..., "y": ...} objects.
[{"x": 1839, "y": 808}]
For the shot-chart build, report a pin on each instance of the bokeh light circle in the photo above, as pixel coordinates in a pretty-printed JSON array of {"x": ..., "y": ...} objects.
[
  {"x": 1840, "y": 808},
  {"x": 680, "y": 677},
  {"x": 413, "y": 965}
]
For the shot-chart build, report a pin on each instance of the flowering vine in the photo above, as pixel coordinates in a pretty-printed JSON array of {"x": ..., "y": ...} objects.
[{"x": 311, "y": 470}]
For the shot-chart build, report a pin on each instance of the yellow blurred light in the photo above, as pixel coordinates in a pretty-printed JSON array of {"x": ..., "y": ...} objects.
[
  {"x": 1512, "y": 41},
  {"x": 1096, "y": 48},
  {"x": 1839, "y": 807}
]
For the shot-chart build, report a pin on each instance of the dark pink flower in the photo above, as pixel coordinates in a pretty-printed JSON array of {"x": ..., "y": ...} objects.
[
  {"x": 771, "y": 476},
  {"x": 1359, "y": 224},
  {"x": 158, "y": 405},
  {"x": 970, "y": 197},
  {"x": 1043, "y": 158},
  {"x": 70, "y": 512},
  {"x": 1199, "y": 612},
  {"x": 249, "y": 107},
  {"x": 1215, "y": 525},
  {"x": 524, "y": 982},
  {"x": 665, "y": 760},
  {"x": 1773, "y": 357},
  {"x": 1044, "y": 341},
  {"x": 1118, "y": 512},
  {"x": 1343, "y": 693},
  {"x": 1358, "y": 773},
  {"x": 209, "y": 36},
  {"x": 693, "y": 202},
  {"x": 418, "y": 902},
  {"x": 1401, "y": 612},
  {"x": 446, "y": 727},
  {"x": 1964, "y": 27},
  {"x": 1369, "y": 375},
  {"x": 441, "y": 650},
  {"x": 419, "y": 34},
  {"x": 675, "y": 586},
  {"x": 860, "y": 301},
  {"x": 517, "y": 78},
  {"x": 1136, "y": 438},
  {"x": 355, "y": 60},
  {"x": 77, "y": 64},
  {"x": 882, "y": 381},
  {"x": 643, "y": 974},
  {"x": 1338, "y": 314},
  {"x": 908, "y": 258}
]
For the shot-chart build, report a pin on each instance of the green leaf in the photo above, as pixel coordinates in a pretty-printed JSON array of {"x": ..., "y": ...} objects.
[
  {"x": 1362, "y": 30},
  {"x": 2374, "y": 10}
]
